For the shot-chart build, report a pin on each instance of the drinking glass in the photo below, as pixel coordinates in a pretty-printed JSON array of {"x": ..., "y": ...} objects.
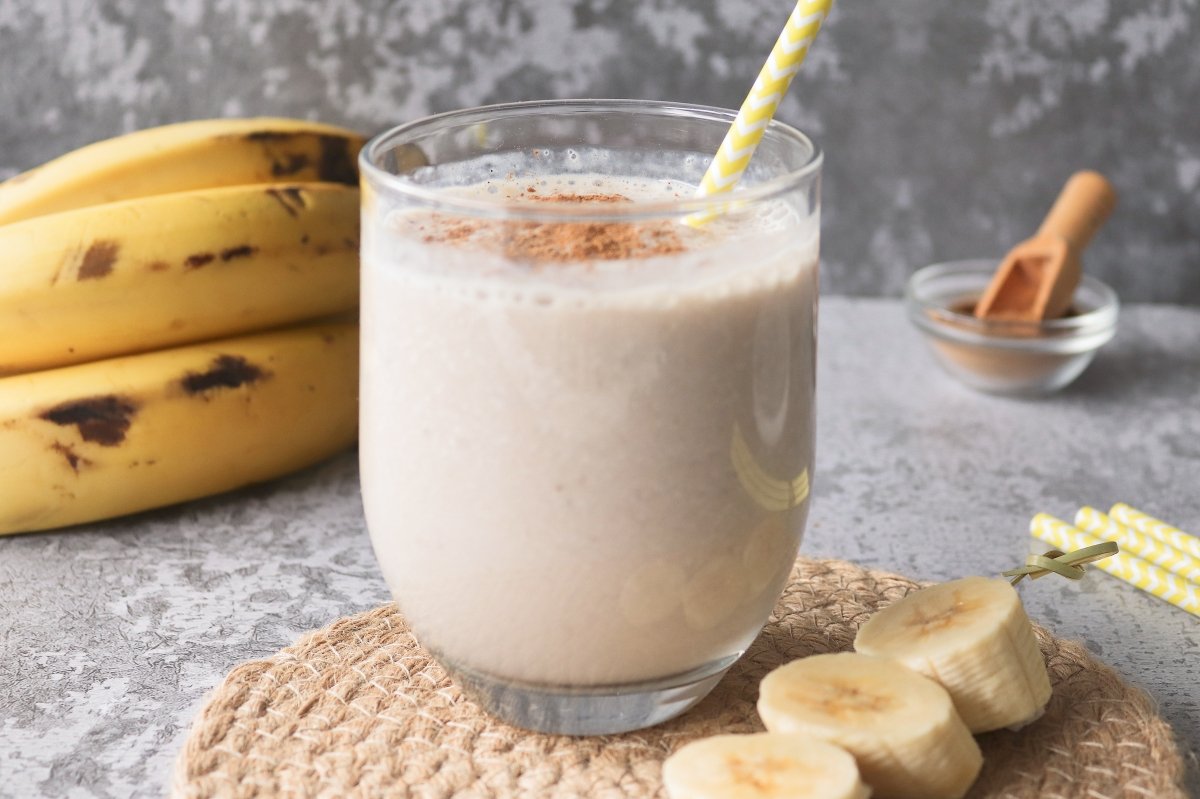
[{"x": 586, "y": 398}]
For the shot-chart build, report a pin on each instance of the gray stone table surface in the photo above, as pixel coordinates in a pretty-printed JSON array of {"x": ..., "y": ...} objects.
[{"x": 111, "y": 634}]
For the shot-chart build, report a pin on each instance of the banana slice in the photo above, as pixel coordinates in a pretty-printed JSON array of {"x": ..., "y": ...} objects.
[
  {"x": 973, "y": 637},
  {"x": 762, "y": 766},
  {"x": 901, "y": 727}
]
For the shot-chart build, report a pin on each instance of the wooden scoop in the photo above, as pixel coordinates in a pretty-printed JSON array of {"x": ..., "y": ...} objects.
[{"x": 1037, "y": 279}]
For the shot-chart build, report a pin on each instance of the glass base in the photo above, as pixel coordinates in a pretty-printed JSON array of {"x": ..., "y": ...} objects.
[{"x": 600, "y": 710}]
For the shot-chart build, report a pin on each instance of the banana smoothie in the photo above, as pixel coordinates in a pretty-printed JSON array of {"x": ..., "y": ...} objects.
[{"x": 586, "y": 430}]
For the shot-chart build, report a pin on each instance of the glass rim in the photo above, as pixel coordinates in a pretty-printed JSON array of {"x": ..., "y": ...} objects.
[{"x": 770, "y": 189}]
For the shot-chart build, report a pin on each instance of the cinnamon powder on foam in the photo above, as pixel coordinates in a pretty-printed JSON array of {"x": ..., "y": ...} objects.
[{"x": 538, "y": 242}]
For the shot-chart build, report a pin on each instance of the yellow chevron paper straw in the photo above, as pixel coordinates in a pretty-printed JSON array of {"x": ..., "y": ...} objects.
[
  {"x": 1130, "y": 568},
  {"x": 1131, "y": 517},
  {"x": 760, "y": 105},
  {"x": 1138, "y": 543}
]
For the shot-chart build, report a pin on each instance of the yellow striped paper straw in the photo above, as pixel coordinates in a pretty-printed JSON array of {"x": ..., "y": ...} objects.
[
  {"x": 1138, "y": 543},
  {"x": 1131, "y": 517},
  {"x": 1130, "y": 568},
  {"x": 760, "y": 105}
]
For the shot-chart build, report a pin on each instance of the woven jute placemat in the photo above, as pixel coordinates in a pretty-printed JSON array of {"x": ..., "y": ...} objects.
[{"x": 358, "y": 709}]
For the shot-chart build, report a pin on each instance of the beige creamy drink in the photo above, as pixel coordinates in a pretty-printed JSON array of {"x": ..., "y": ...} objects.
[{"x": 586, "y": 446}]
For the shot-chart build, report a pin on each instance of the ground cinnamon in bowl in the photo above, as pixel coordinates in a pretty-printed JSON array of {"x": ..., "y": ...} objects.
[{"x": 1006, "y": 357}]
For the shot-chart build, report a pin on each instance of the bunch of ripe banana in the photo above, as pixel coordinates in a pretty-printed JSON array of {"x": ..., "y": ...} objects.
[
  {"x": 176, "y": 317},
  {"x": 893, "y": 720}
]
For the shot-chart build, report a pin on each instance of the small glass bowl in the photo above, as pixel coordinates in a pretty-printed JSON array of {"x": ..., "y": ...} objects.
[{"x": 1006, "y": 357}]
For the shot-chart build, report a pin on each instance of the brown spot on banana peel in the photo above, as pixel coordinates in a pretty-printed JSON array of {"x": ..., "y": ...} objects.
[
  {"x": 197, "y": 260},
  {"x": 337, "y": 162},
  {"x": 291, "y": 198},
  {"x": 269, "y": 135},
  {"x": 74, "y": 459},
  {"x": 283, "y": 164},
  {"x": 324, "y": 248},
  {"x": 289, "y": 165},
  {"x": 102, "y": 420},
  {"x": 226, "y": 371},
  {"x": 158, "y": 266},
  {"x": 244, "y": 251},
  {"x": 98, "y": 260}
]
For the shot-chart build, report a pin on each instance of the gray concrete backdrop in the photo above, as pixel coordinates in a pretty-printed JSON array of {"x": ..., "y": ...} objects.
[{"x": 948, "y": 125}]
